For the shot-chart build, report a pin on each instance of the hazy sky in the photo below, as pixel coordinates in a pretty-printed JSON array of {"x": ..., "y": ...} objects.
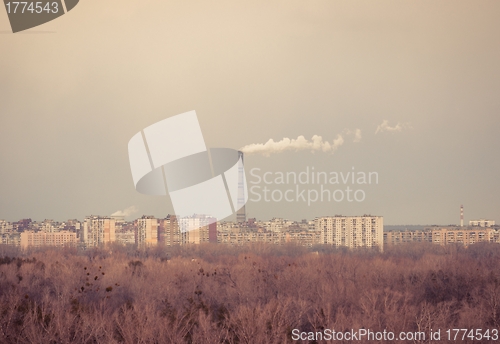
[{"x": 75, "y": 90}]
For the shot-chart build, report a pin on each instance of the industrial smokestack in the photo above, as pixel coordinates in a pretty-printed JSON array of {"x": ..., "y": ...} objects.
[
  {"x": 241, "y": 215},
  {"x": 461, "y": 216}
]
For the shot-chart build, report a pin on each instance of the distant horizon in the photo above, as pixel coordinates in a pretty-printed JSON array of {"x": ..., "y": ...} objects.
[{"x": 132, "y": 218}]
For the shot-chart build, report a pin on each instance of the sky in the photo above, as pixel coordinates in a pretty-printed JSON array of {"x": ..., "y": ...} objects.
[{"x": 417, "y": 80}]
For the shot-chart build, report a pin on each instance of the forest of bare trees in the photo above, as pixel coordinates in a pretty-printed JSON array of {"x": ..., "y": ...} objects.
[{"x": 259, "y": 294}]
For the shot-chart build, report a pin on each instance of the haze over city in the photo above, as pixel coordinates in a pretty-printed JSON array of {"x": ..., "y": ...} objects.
[
  {"x": 406, "y": 90},
  {"x": 261, "y": 171}
]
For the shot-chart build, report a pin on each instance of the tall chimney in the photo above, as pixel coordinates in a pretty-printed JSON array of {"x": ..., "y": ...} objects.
[
  {"x": 461, "y": 216},
  {"x": 241, "y": 215}
]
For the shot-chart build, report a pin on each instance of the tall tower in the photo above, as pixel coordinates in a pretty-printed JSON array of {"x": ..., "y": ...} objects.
[
  {"x": 461, "y": 216},
  {"x": 241, "y": 215},
  {"x": 146, "y": 232},
  {"x": 98, "y": 230}
]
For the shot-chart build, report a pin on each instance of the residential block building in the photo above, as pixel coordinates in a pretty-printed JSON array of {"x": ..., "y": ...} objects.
[
  {"x": 45, "y": 238},
  {"x": 444, "y": 235},
  {"x": 146, "y": 231},
  {"x": 98, "y": 230},
  {"x": 351, "y": 231}
]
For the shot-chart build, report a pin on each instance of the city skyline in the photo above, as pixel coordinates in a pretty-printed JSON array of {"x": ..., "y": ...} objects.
[
  {"x": 406, "y": 90},
  {"x": 367, "y": 231},
  {"x": 471, "y": 223}
]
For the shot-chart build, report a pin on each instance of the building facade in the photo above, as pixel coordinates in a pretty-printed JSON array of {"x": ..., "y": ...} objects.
[
  {"x": 98, "y": 231},
  {"x": 146, "y": 231},
  {"x": 481, "y": 223},
  {"x": 44, "y": 238},
  {"x": 196, "y": 229},
  {"x": 351, "y": 231},
  {"x": 5, "y": 227},
  {"x": 169, "y": 233},
  {"x": 444, "y": 235}
]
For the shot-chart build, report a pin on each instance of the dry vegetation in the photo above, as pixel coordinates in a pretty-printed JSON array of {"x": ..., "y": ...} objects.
[{"x": 218, "y": 294}]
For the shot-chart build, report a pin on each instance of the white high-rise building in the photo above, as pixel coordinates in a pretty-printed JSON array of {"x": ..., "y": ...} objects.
[
  {"x": 196, "y": 229},
  {"x": 482, "y": 223},
  {"x": 352, "y": 231},
  {"x": 5, "y": 227},
  {"x": 47, "y": 226}
]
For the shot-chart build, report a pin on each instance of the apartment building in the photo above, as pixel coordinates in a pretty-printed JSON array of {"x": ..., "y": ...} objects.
[
  {"x": 444, "y": 235},
  {"x": 351, "y": 231},
  {"x": 5, "y": 227},
  {"x": 146, "y": 231},
  {"x": 44, "y": 238},
  {"x": 169, "y": 232},
  {"x": 11, "y": 239},
  {"x": 198, "y": 229},
  {"x": 481, "y": 223},
  {"x": 242, "y": 236},
  {"x": 98, "y": 230}
]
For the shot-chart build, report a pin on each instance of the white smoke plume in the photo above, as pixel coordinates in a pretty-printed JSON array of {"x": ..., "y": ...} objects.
[
  {"x": 356, "y": 133},
  {"x": 385, "y": 127},
  {"x": 127, "y": 212},
  {"x": 316, "y": 144}
]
